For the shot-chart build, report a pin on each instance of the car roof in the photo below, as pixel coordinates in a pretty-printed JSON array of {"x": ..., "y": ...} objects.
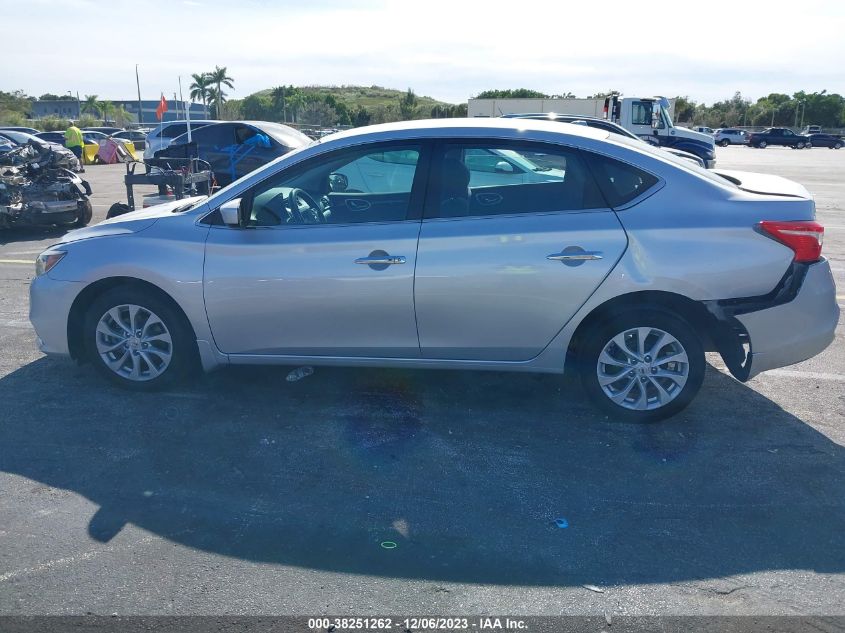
[{"x": 473, "y": 126}]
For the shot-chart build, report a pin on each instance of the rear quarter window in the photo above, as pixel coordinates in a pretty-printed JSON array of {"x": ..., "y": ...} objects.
[{"x": 619, "y": 182}]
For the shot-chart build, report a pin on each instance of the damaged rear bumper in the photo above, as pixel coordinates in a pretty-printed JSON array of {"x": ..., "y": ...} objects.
[{"x": 794, "y": 322}]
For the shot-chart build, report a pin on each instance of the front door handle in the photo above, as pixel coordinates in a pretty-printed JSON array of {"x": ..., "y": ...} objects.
[
  {"x": 580, "y": 256},
  {"x": 386, "y": 260}
]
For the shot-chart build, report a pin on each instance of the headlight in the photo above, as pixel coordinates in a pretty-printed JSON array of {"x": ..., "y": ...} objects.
[{"x": 47, "y": 260}]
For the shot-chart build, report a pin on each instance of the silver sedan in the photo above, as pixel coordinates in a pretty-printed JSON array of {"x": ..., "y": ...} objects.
[{"x": 464, "y": 244}]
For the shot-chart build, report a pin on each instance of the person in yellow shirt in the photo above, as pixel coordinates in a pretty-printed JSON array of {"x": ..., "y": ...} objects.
[{"x": 74, "y": 142}]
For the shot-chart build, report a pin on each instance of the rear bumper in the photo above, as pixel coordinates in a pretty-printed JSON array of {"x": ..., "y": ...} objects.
[{"x": 797, "y": 330}]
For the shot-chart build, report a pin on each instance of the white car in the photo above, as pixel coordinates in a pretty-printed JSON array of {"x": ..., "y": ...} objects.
[{"x": 730, "y": 136}]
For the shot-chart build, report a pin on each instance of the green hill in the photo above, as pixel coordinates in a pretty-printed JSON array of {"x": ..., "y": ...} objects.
[
  {"x": 321, "y": 106},
  {"x": 370, "y": 97}
]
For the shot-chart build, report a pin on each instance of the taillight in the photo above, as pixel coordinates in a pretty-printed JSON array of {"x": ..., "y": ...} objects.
[{"x": 803, "y": 237}]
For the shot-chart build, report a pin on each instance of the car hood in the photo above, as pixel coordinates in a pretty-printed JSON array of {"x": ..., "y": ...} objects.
[
  {"x": 765, "y": 184},
  {"x": 132, "y": 222}
]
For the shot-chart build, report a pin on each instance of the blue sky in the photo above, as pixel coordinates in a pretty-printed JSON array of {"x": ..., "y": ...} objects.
[{"x": 450, "y": 50}]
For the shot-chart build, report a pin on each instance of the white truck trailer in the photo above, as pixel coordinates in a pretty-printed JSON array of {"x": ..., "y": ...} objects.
[{"x": 647, "y": 117}]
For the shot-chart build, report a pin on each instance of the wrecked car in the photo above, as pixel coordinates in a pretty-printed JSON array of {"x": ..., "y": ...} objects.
[{"x": 37, "y": 188}]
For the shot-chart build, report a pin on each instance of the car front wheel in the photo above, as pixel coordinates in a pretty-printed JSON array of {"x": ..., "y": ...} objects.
[
  {"x": 138, "y": 340},
  {"x": 642, "y": 365},
  {"x": 762, "y": 144}
]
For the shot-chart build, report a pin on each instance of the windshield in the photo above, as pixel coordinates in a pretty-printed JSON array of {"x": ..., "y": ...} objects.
[
  {"x": 19, "y": 137},
  {"x": 225, "y": 193}
]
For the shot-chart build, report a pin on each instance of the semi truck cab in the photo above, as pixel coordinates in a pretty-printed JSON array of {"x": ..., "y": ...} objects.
[{"x": 649, "y": 119}]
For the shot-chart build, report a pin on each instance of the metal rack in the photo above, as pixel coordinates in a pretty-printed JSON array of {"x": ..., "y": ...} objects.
[{"x": 182, "y": 175}]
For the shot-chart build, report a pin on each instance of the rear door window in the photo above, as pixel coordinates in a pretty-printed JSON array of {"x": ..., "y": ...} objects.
[{"x": 499, "y": 177}]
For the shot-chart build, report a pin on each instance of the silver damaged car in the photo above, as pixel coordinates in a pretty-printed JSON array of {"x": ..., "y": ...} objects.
[{"x": 457, "y": 244}]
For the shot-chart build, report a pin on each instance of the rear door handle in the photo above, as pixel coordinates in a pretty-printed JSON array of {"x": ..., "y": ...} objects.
[
  {"x": 385, "y": 260},
  {"x": 583, "y": 256}
]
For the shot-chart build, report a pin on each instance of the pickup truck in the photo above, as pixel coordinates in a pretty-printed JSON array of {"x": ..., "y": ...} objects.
[{"x": 778, "y": 136}]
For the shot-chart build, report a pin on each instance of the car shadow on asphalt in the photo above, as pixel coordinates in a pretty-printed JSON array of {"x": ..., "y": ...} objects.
[
  {"x": 32, "y": 233},
  {"x": 438, "y": 475}
]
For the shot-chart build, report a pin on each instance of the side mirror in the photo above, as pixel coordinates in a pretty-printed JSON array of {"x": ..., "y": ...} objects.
[
  {"x": 231, "y": 212},
  {"x": 338, "y": 182},
  {"x": 504, "y": 167}
]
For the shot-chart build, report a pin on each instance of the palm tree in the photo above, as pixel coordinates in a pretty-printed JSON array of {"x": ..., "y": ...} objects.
[
  {"x": 296, "y": 101},
  {"x": 278, "y": 96},
  {"x": 200, "y": 90},
  {"x": 217, "y": 99},
  {"x": 91, "y": 105},
  {"x": 219, "y": 78},
  {"x": 106, "y": 107}
]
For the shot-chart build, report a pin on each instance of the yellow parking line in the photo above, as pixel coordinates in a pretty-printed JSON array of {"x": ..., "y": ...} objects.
[{"x": 28, "y": 262}]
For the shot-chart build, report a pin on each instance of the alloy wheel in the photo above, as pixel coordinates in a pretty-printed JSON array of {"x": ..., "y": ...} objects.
[
  {"x": 134, "y": 342},
  {"x": 642, "y": 368}
]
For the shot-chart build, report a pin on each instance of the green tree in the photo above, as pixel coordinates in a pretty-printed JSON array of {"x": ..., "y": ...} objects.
[
  {"x": 317, "y": 112},
  {"x": 819, "y": 108},
  {"x": 121, "y": 117},
  {"x": 296, "y": 101},
  {"x": 49, "y": 96},
  {"x": 277, "y": 95},
  {"x": 91, "y": 105},
  {"x": 106, "y": 108},
  {"x": 255, "y": 107},
  {"x": 360, "y": 116},
  {"x": 407, "y": 105},
  {"x": 512, "y": 93},
  {"x": 199, "y": 89},
  {"x": 684, "y": 109},
  {"x": 219, "y": 78}
]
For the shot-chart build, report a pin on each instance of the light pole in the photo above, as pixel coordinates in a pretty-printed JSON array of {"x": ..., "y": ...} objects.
[
  {"x": 138, "y": 84},
  {"x": 70, "y": 94}
]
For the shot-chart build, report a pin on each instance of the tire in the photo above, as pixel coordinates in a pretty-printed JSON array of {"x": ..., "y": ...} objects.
[
  {"x": 724, "y": 142},
  {"x": 84, "y": 213},
  {"x": 837, "y": 145},
  {"x": 762, "y": 144},
  {"x": 169, "y": 354},
  {"x": 642, "y": 386},
  {"x": 800, "y": 145}
]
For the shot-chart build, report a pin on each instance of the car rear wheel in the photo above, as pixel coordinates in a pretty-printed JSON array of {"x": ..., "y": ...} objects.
[
  {"x": 724, "y": 142},
  {"x": 138, "y": 340},
  {"x": 642, "y": 365}
]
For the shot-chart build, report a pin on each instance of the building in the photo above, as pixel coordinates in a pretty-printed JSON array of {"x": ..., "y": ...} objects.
[{"x": 67, "y": 109}]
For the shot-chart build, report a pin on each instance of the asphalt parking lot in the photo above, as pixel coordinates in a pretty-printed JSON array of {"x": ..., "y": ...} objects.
[{"x": 246, "y": 494}]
